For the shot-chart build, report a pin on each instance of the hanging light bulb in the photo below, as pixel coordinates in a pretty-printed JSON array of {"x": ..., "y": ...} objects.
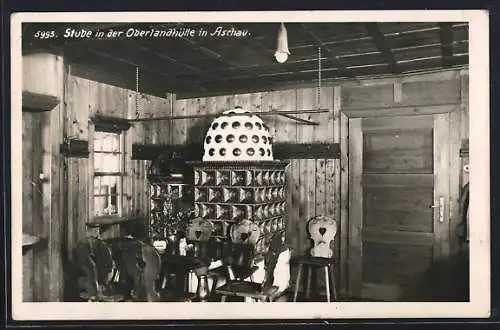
[{"x": 282, "y": 51}]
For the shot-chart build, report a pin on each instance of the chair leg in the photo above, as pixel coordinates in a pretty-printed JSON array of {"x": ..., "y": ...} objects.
[
  {"x": 230, "y": 273},
  {"x": 164, "y": 282},
  {"x": 309, "y": 278},
  {"x": 334, "y": 282},
  {"x": 223, "y": 298},
  {"x": 297, "y": 283},
  {"x": 327, "y": 284},
  {"x": 214, "y": 284}
]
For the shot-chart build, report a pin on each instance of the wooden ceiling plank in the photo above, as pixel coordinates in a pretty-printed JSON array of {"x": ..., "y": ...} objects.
[
  {"x": 214, "y": 55},
  {"x": 254, "y": 42},
  {"x": 124, "y": 67},
  {"x": 207, "y": 51},
  {"x": 128, "y": 62},
  {"x": 299, "y": 61},
  {"x": 113, "y": 73},
  {"x": 358, "y": 39},
  {"x": 380, "y": 41},
  {"x": 446, "y": 37},
  {"x": 145, "y": 69}
]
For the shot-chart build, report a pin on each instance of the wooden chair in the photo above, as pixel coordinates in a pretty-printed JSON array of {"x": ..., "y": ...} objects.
[
  {"x": 199, "y": 233},
  {"x": 264, "y": 291},
  {"x": 239, "y": 254},
  {"x": 95, "y": 268},
  {"x": 116, "y": 269},
  {"x": 322, "y": 230},
  {"x": 138, "y": 265}
]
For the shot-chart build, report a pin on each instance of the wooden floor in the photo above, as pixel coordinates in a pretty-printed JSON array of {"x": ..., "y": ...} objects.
[{"x": 168, "y": 296}]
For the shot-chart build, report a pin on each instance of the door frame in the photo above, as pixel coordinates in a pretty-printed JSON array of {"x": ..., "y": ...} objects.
[{"x": 351, "y": 220}]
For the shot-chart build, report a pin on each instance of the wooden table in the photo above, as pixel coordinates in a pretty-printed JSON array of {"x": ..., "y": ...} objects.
[{"x": 181, "y": 266}]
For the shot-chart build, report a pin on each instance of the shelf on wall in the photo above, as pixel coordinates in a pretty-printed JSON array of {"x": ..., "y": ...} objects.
[
  {"x": 34, "y": 102},
  {"x": 29, "y": 241},
  {"x": 192, "y": 152},
  {"x": 109, "y": 220},
  {"x": 110, "y": 124},
  {"x": 75, "y": 148}
]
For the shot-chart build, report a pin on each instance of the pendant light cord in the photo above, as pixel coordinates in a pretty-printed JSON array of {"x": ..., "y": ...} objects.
[
  {"x": 136, "y": 92},
  {"x": 319, "y": 79}
]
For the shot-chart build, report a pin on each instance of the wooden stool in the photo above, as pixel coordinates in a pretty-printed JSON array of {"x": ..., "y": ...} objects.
[{"x": 327, "y": 265}]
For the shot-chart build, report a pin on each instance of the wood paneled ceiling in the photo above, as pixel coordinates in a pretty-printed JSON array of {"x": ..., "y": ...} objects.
[{"x": 224, "y": 65}]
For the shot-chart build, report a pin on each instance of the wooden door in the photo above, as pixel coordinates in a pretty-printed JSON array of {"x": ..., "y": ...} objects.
[
  {"x": 35, "y": 271},
  {"x": 398, "y": 218}
]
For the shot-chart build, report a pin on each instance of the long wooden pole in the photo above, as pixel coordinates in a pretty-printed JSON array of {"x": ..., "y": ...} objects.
[
  {"x": 282, "y": 112},
  {"x": 305, "y": 121}
]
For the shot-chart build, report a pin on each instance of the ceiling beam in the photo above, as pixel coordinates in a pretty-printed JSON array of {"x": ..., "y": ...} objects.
[
  {"x": 145, "y": 48},
  {"x": 334, "y": 58},
  {"x": 446, "y": 37},
  {"x": 382, "y": 45}
]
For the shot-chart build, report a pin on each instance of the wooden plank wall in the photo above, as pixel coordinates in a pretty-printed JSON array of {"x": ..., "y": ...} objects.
[
  {"x": 86, "y": 97},
  {"x": 42, "y": 180}
]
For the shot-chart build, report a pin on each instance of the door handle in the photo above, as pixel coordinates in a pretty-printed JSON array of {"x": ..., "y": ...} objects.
[{"x": 440, "y": 208}]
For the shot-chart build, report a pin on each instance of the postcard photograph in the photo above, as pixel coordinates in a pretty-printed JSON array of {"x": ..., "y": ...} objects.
[{"x": 250, "y": 165}]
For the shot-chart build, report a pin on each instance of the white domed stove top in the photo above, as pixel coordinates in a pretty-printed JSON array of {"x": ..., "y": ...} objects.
[{"x": 237, "y": 135}]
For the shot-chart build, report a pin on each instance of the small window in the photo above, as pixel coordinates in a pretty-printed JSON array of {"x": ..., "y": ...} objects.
[{"x": 109, "y": 170}]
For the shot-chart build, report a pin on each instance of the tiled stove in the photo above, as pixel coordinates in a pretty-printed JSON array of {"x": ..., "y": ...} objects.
[
  {"x": 227, "y": 192},
  {"x": 238, "y": 178}
]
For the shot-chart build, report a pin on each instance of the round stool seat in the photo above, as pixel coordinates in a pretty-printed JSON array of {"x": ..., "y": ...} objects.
[
  {"x": 327, "y": 264},
  {"x": 316, "y": 261}
]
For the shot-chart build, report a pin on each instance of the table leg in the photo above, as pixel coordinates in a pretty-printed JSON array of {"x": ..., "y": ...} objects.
[
  {"x": 334, "y": 283},
  {"x": 297, "y": 283}
]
